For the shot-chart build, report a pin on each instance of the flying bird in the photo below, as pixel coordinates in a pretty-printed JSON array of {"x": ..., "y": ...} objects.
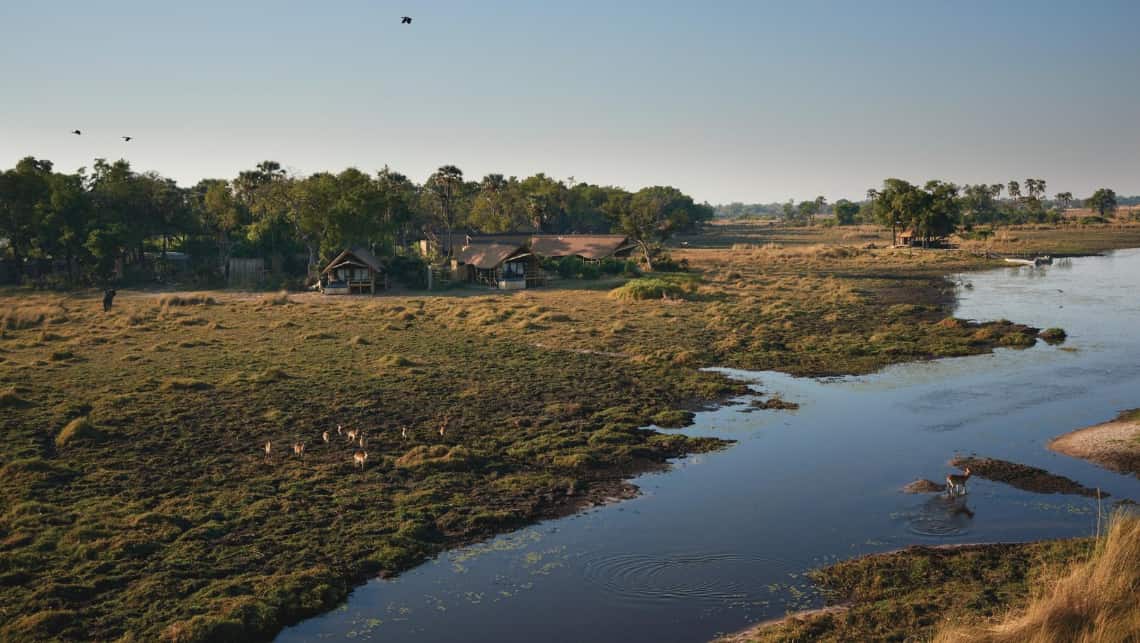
[
  {"x": 405, "y": 20},
  {"x": 126, "y": 138},
  {"x": 76, "y": 132}
]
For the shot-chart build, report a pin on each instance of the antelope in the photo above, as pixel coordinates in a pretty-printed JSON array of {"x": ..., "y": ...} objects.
[
  {"x": 358, "y": 458},
  {"x": 268, "y": 449},
  {"x": 361, "y": 440},
  {"x": 325, "y": 437},
  {"x": 351, "y": 433},
  {"x": 955, "y": 482},
  {"x": 299, "y": 448},
  {"x": 338, "y": 430},
  {"x": 443, "y": 425},
  {"x": 404, "y": 432}
]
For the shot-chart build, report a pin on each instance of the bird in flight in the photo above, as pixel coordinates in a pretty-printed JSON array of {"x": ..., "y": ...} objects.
[
  {"x": 126, "y": 138},
  {"x": 76, "y": 132},
  {"x": 405, "y": 20}
]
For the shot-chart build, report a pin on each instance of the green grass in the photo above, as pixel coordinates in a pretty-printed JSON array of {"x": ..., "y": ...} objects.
[{"x": 905, "y": 595}]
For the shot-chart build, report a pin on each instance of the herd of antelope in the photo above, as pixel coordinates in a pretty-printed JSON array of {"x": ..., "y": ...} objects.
[{"x": 354, "y": 437}]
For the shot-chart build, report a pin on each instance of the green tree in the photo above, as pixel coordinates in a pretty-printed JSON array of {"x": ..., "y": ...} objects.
[
  {"x": 545, "y": 201},
  {"x": 846, "y": 212},
  {"x": 1103, "y": 201},
  {"x": 446, "y": 190},
  {"x": 1063, "y": 199},
  {"x": 654, "y": 214},
  {"x": 23, "y": 191}
]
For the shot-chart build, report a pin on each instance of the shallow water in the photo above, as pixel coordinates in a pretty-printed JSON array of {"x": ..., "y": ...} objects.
[{"x": 722, "y": 540}]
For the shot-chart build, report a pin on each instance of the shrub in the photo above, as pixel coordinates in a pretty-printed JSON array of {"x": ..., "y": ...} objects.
[
  {"x": 1053, "y": 335},
  {"x": 647, "y": 288}
]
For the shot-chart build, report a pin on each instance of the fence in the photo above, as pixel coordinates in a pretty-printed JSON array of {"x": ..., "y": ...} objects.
[{"x": 245, "y": 272}]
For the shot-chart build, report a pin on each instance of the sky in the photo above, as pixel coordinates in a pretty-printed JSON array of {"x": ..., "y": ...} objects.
[{"x": 729, "y": 101}]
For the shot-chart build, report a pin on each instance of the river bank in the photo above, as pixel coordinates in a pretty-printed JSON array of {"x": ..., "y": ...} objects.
[{"x": 1114, "y": 445}]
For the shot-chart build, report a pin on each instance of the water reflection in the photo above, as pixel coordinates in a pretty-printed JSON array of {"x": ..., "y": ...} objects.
[{"x": 940, "y": 515}]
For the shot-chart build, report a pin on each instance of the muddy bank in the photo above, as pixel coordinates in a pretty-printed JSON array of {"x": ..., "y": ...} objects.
[
  {"x": 1113, "y": 445},
  {"x": 1023, "y": 476},
  {"x": 923, "y": 486}
]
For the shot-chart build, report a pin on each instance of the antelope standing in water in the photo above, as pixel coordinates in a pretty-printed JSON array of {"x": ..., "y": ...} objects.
[
  {"x": 299, "y": 449},
  {"x": 956, "y": 483},
  {"x": 358, "y": 458},
  {"x": 325, "y": 437}
]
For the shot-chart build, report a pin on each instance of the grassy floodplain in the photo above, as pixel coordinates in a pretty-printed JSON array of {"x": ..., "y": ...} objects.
[{"x": 138, "y": 502}]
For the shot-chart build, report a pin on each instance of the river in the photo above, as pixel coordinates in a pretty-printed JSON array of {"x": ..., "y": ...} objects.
[{"x": 723, "y": 540}]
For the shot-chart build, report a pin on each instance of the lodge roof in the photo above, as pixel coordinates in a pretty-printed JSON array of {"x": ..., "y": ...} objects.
[
  {"x": 587, "y": 246},
  {"x": 360, "y": 257},
  {"x": 486, "y": 255}
]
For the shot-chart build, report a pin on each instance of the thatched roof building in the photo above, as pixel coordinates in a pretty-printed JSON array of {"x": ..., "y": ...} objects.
[
  {"x": 353, "y": 270},
  {"x": 592, "y": 247}
]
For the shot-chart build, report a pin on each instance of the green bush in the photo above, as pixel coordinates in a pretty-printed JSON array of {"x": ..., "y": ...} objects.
[{"x": 647, "y": 288}]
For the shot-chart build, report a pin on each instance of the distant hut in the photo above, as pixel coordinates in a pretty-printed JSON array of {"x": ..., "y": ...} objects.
[
  {"x": 912, "y": 238},
  {"x": 591, "y": 247},
  {"x": 500, "y": 263},
  {"x": 353, "y": 270}
]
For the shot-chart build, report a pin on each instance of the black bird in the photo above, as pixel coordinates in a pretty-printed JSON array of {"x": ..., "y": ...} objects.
[
  {"x": 126, "y": 138},
  {"x": 405, "y": 20},
  {"x": 76, "y": 132}
]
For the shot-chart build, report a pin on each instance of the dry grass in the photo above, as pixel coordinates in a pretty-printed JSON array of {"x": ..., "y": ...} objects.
[
  {"x": 19, "y": 317},
  {"x": 1093, "y": 601},
  {"x": 192, "y": 299}
]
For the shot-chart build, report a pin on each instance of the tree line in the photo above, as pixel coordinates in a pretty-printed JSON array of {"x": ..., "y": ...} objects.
[
  {"x": 100, "y": 223},
  {"x": 935, "y": 208}
]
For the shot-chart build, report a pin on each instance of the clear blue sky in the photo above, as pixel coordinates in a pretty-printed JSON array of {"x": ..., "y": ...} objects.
[{"x": 748, "y": 100}]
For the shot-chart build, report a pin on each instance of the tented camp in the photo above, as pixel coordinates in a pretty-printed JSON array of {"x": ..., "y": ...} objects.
[
  {"x": 512, "y": 261},
  {"x": 353, "y": 270},
  {"x": 502, "y": 264}
]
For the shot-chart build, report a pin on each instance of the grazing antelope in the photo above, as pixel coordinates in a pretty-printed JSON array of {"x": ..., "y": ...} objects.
[
  {"x": 351, "y": 433},
  {"x": 325, "y": 437},
  {"x": 956, "y": 483},
  {"x": 268, "y": 449},
  {"x": 299, "y": 449},
  {"x": 359, "y": 457}
]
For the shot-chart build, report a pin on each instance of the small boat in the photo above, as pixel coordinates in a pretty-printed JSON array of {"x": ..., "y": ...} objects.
[{"x": 1045, "y": 260}]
